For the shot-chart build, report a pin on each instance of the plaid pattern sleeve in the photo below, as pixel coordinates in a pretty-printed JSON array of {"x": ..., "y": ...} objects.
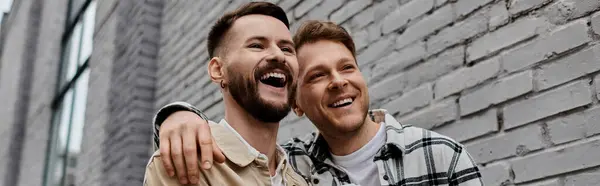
[
  {"x": 167, "y": 110},
  {"x": 465, "y": 171}
]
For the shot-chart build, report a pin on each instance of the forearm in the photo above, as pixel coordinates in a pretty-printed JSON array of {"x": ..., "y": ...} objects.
[{"x": 166, "y": 111}]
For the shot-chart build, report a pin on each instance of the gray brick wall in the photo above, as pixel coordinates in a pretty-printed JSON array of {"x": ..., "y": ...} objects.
[
  {"x": 15, "y": 86},
  {"x": 517, "y": 81}
]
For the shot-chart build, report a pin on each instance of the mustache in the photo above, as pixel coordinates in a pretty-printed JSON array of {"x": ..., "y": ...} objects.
[{"x": 274, "y": 65}]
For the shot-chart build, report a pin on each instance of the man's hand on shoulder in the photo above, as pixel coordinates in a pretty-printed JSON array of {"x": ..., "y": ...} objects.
[{"x": 180, "y": 135}]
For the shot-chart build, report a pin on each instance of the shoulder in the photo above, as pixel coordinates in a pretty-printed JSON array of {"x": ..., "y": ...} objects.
[
  {"x": 156, "y": 173},
  {"x": 418, "y": 138},
  {"x": 299, "y": 143}
]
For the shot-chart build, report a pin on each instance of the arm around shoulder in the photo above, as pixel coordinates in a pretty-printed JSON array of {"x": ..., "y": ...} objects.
[{"x": 156, "y": 174}]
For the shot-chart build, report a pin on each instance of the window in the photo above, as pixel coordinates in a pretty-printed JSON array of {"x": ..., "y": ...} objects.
[{"x": 70, "y": 100}]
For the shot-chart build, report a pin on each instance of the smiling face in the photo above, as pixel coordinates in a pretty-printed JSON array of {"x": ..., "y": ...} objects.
[
  {"x": 331, "y": 90},
  {"x": 261, "y": 66}
]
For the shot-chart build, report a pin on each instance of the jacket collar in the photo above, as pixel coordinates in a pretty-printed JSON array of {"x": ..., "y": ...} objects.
[
  {"x": 232, "y": 144},
  {"x": 395, "y": 142}
]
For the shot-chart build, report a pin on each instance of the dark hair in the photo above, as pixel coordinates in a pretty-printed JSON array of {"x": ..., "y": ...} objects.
[
  {"x": 313, "y": 31},
  {"x": 218, "y": 30}
]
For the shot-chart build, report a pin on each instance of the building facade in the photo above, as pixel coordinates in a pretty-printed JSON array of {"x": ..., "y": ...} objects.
[{"x": 517, "y": 81}]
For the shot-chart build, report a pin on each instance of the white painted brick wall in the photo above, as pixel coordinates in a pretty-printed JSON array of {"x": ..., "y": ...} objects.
[
  {"x": 466, "y": 77},
  {"x": 436, "y": 67},
  {"x": 433, "y": 116},
  {"x": 596, "y": 23},
  {"x": 348, "y": 10},
  {"x": 464, "y": 7},
  {"x": 416, "y": 98},
  {"x": 476, "y": 126},
  {"x": 498, "y": 15},
  {"x": 557, "y": 161},
  {"x": 518, "y": 6},
  {"x": 564, "y": 10},
  {"x": 398, "y": 60},
  {"x": 516, "y": 142},
  {"x": 565, "y": 38},
  {"x": 504, "y": 37},
  {"x": 587, "y": 178},
  {"x": 304, "y": 7},
  {"x": 496, "y": 92},
  {"x": 597, "y": 83},
  {"x": 496, "y": 174},
  {"x": 458, "y": 32},
  {"x": 549, "y": 103},
  {"x": 375, "y": 51},
  {"x": 575, "y": 126},
  {"x": 405, "y": 13},
  {"x": 426, "y": 26},
  {"x": 568, "y": 68}
]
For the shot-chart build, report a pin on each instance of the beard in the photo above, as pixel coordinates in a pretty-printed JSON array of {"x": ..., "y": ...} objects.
[{"x": 244, "y": 91}]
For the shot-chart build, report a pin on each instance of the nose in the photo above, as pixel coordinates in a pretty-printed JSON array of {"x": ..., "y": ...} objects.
[
  {"x": 276, "y": 55},
  {"x": 338, "y": 82}
]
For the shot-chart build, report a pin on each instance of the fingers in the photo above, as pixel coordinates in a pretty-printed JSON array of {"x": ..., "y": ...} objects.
[
  {"x": 165, "y": 153},
  {"x": 206, "y": 145},
  {"x": 177, "y": 155},
  {"x": 217, "y": 153},
  {"x": 190, "y": 155}
]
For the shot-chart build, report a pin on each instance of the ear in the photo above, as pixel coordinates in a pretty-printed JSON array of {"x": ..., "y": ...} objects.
[
  {"x": 297, "y": 109},
  {"x": 216, "y": 70}
]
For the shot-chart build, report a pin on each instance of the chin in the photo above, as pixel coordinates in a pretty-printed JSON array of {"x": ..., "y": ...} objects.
[{"x": 348, "y": 124}]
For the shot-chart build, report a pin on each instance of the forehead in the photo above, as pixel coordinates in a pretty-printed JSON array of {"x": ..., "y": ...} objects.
[
  {"x": 259, "y": 25},
  {"x": 322, "y": 53}
]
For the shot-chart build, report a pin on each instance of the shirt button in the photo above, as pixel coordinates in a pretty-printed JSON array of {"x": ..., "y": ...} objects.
[
  {"x": 385, "y": 177},
  {"x": 316, "y": 181}
]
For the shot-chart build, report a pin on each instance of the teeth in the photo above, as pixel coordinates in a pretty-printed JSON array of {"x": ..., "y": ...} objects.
[
  {"x": 343, "y": 101},
  {"x": 273, "y": 74}
]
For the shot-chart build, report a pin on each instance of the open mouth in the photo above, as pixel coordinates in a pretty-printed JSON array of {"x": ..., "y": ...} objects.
[
  {"x": 274, "y": 79},
  {"x": 342, "y": 103}
]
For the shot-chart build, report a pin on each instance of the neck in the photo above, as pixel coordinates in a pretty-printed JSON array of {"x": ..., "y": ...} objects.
[
  {"x": 260, "y": 135},
  {"x": 344, "y": 144}
]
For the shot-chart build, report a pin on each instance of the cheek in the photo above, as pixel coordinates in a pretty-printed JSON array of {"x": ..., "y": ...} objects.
[{"x": 309, "y": 98}]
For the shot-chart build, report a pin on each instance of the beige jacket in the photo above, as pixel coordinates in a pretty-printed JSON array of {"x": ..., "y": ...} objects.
[{"x": 240, "y": 168}]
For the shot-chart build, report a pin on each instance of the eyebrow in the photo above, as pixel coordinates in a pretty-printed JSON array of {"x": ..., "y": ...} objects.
[{"x": 263, "y": 38}]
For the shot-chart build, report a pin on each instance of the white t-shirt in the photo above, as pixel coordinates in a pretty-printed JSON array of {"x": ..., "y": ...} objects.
[{"x": 360, "y": 165}]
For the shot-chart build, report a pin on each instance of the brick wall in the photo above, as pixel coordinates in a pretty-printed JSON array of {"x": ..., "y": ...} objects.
[
  {"x": 517, "y": 81},
  {"x": 43, "y": 74},
  {"x": 123, "y": 72}
]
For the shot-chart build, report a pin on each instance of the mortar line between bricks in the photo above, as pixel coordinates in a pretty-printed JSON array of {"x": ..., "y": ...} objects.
[
  {"x": 562, "y": 176},
  {"x": 555, "y": 148},
  {"x": 552, "y": 117},
  {"x": 595, "y": 86}
]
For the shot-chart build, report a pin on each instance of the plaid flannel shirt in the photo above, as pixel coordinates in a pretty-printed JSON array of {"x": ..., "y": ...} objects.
[{"x": 411, "y": 155}]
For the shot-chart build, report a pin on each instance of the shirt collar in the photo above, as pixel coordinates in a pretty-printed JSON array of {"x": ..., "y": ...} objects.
[
  {"x": 394, "y": 136},
  {"x": 238, "y": 150}
]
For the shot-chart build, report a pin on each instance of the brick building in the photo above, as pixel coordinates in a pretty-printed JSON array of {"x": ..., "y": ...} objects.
[{"x": 517, "y": 81}]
